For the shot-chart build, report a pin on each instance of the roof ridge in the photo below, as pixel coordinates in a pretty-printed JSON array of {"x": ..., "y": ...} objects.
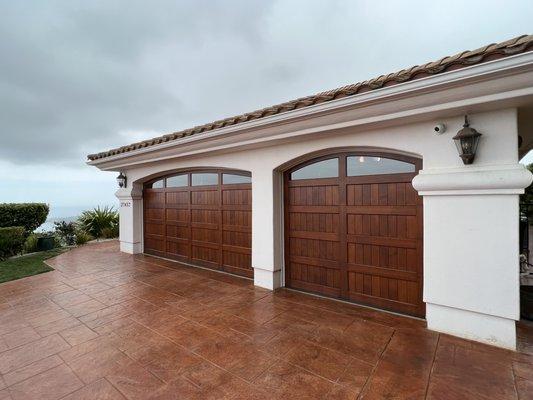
[{"x": 516, "y": 45}]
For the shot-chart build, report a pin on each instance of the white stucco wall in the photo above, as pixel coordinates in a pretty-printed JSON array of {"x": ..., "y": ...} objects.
[{"x": 470, "y": 232}]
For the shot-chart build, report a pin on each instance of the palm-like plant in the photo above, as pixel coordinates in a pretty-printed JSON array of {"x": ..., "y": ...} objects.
[{"x": 98, "y": 219}]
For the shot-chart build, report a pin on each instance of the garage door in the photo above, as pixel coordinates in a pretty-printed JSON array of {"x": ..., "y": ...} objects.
[
  {"x": 202, "y": 218},
  {"x": 353, "y": 230}
]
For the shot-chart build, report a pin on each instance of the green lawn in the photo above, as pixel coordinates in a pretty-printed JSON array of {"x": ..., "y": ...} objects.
[{"x": 20, "y": 267}]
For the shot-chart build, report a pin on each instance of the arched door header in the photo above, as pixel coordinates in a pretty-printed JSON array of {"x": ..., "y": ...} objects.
[{"x": 361, "y": 151}]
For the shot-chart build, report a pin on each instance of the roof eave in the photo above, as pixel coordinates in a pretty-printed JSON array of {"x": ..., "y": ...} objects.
[{"x": 434, "y": 83}]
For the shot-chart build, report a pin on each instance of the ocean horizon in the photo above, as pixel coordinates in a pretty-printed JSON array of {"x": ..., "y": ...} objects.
[{"x": 67, "y": 214}]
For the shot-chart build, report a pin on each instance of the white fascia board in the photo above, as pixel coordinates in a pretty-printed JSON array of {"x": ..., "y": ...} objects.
[{"x": 490, "y": 70}]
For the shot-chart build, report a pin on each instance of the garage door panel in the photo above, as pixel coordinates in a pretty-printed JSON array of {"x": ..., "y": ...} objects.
[
  {"x": 206, "y": 235},
  {"x": 382, "y": 241},
  {"x": 317, "y": 275},
  {"x": 314, "y": 261},
  {"x": 318, "y": 222},
  {"x": 386, "y": 288},
  {"x": 314, "y": 195},
  {"x": 237, "y": 263},
  {"x": 157, "y": 244},
  {"x": 405, "y": 307},
  {"x": 392, "y": 226},
  {"x": 236, "y": 197},
  {"x": 205, "y": 225},
  {"x": 386, "y": 210},
  {"x": 394, "y": 258},
  {"x": 178, "y": 248},
  {"x": 241, "y": 218},
  {"x": 315, "y": 209},
  {"x": 236, "y": 228},
  {"x": 205, "y": 197},
  {"x": 411, "y": 196},
  {"x": 315, "y": 279},
  {"x": 177, "y": 223},
  {"x": 177, "y": 198},
  {"x": 205, "y": 216},
  {"x": 154, "y": 213},
  {"x": 365, "y": 229},
  {"x": 155, "y": 228},
  {"x": 319, "y": 249},
  {"x": 177, "y": 215},
  {"x": 155, "y": 199},
  {"x": 314, "y": 235},
  {"x": 373, "y": 194},
  {"x": 385, "y": 272},
  {"x": 175, "y": 231},
  {"x": 204, "y": 253},
  {"x": 239, "y": 239}
]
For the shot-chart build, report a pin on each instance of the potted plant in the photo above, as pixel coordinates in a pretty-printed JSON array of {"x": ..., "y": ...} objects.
[{"x": 46, "y": 241}]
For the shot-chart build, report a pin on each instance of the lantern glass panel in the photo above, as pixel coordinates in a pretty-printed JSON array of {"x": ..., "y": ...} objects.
[
  {"x": 467, "y": 145},
  {"x": 121, "y": 180}
]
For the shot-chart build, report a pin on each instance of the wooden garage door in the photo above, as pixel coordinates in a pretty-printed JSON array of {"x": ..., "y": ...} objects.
[
  {"x": 201, "y": 217},
  {"x": 353, "y": 230}
]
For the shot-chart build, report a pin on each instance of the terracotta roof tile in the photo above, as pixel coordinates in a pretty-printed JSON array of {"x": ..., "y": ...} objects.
[{"x": 520, "y": 44}]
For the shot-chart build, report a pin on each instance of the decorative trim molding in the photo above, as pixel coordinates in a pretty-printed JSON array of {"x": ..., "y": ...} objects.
[
  {"x": 134, "y": 193},
  {"x": 504, "y": 179}
]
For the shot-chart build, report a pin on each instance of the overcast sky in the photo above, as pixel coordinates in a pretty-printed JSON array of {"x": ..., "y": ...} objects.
[{"x": 78, "y": 77}]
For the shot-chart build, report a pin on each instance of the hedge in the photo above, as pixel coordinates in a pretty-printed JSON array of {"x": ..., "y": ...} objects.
[
  {"x": 28, "y": 215},
  {"x": 11, "y": 241}
]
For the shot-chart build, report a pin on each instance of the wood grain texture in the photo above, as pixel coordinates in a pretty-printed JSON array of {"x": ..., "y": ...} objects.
[
  {"x": 209, "y": 226},
  {"x": 357, "y": 238}
]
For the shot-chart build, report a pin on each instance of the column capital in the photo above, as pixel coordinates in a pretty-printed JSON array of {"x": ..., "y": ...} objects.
[
  {"x": 475, "y": 180},
  {"x": 131, "y": 193}
]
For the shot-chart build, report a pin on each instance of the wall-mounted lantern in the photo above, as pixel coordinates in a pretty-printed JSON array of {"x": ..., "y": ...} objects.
[
  {"x": 121, "y": 180},
  {"x": 466, "y": 142}
]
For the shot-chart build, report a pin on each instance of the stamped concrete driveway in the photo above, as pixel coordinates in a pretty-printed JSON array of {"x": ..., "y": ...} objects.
[{"x": 106, "y": 325}]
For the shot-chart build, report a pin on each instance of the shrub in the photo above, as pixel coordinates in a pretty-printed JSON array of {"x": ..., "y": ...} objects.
[
  {"x": 30, "y": 246},
  {"x": 66, "y": 232},
  {"x": 58, "y": 242},
  {"x": 110, "y": 233},
  {"x": 97, "y": 219},
  {"x": 28, "y": 215},
  {"x": 82, "y": 237},
  {"x": 11, "y": 241}
]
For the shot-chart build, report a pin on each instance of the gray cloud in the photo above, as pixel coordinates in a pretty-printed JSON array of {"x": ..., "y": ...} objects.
[{"x": 79, "y": 77}]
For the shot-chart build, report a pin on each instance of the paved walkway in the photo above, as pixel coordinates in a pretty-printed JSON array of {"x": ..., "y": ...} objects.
[{"x": 106, "y": 325}]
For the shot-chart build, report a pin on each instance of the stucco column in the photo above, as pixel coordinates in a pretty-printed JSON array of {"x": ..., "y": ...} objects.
[
  {"x": 266, "y": 235},
  {"x": 131, "y": 215},
  {"x": 471, "y": 246}
]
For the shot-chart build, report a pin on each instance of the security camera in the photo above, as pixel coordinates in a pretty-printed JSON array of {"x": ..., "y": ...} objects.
[{"x": 439, "y": 129}]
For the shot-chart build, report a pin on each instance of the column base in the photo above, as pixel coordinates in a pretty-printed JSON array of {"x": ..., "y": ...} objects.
[
  {"x": 267, "y": 279},
  {"x": 496, "y": 331},
  {"x": 130, "y": 248}
]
